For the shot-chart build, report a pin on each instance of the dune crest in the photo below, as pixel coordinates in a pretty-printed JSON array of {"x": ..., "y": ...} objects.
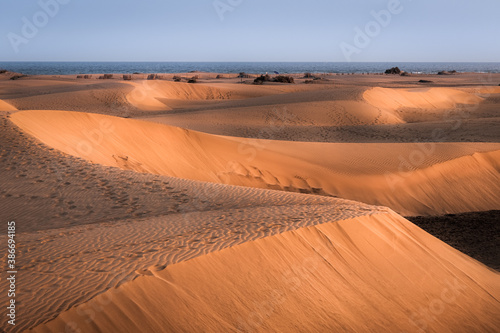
[
  {"x": 157, "y": 95},
  {"x": 413, "y": 178},
  {"x": 340, "y": 113},
  {"x": 392, "y": 99},
  {"x": 4, "y": 106},
  {"x": 370, "y": 273}
]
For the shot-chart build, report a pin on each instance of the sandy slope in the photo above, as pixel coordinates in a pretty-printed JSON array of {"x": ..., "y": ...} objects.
[
  {"x": 413, "y": 179},
  {"x": 243, "y": 257},
  {"x": 335, "y": 112},
  {"x": 83, "y": 228},
  {"x": 162, "y": 95},
  {"x": 57, "y": 94},
  {"x": 371, "y": 273},
  {"x": 342, "y": 113},
  {"x": 64, "y": 267},
  {"x": 4, "y": 106},
  {"x": 422, "y": 98}
]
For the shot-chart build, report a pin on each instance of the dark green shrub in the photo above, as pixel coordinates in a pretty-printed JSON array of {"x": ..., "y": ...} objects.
[
  {"x": 16, "y": 77},
  {"x": 243, "y": 75},
  {"x": 393, "y": 70},
  {"x": 283, "y": 79},
  {"x": 261, "y": 79}
]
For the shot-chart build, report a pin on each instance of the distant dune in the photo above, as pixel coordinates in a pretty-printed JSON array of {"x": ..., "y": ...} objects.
[
  {"x": 420, "y": 98},
  {"x": 157, "y": 95},
  {"x": 345, "y": 113}
]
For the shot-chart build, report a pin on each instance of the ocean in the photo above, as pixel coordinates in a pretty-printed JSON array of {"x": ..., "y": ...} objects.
[{"x": 66, "y": 68}]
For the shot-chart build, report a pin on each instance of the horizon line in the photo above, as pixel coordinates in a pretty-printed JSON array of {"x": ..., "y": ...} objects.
[{"x": 200, "y": 61}]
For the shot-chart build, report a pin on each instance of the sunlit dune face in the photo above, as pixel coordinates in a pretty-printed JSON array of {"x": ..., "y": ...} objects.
[
  {"x": 419, "y": 98},
  {"x": 330, "y": 276},
  {"x": 410, "y": 178}
]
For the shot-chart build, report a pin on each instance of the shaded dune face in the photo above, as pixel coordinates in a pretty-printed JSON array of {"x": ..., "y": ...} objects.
[
  {"x": 372, "y": 273},
  {"x": 413, "y": 179}
]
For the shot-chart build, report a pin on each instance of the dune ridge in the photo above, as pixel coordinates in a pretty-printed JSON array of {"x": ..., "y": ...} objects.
[
  {"x": 4, "y": 106},
  {"x": 87, "y": 227},
  {"x": 338, "y": 107},
  {"x": 66, "y": 267},
  {"x": 370, "y": 273},
  {"x": 420, "y": 98},
  {"x": 157, "y": 95},
  {"x": 412, "y": 179}
]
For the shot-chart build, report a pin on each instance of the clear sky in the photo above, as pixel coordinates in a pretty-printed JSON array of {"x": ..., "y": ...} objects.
[{"x": 249, "y": 30}]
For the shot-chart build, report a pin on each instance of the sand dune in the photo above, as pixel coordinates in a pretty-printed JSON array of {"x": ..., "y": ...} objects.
[
  {"x": 371, "y": 273},
  {"x": 157, "y": 95},
  {"x": 128, "y": 225},
  {"x": 65, "y": 267},
  {"x": 487, "y": 90},
  {"x": 413, "y": 179},
  {"x": 4, "y": 106},
  {"x": 106, "y": 98},
  {"x": 421, "y": 98},
  {"x": 85, "y": 228},
  {"x": 321, "y": 113},
  {"x": 347, "y": 114}
]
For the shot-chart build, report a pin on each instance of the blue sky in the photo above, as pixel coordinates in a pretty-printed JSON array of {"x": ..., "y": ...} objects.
[{"x": 249, "y": 30}]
